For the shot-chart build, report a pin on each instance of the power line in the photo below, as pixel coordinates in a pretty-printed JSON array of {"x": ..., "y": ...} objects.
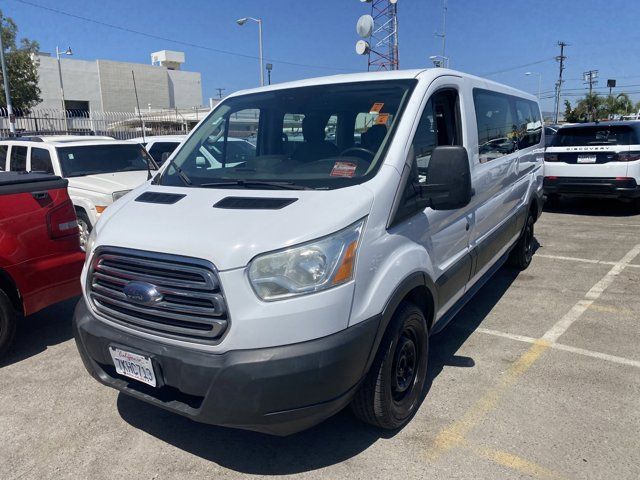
[
  {"x": 516, "y": 67},
  {"x": 178, "y": 42}
]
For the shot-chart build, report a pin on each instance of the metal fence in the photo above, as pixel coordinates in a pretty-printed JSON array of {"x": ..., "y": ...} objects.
[{"x": 121, "y": 125}]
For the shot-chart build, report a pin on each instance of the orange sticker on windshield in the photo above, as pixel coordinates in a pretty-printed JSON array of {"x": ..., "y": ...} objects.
[
  {"x": 376, "y": 108},
  {"x": 343, "y": 169},
  {"x": 382, "y": 119}
]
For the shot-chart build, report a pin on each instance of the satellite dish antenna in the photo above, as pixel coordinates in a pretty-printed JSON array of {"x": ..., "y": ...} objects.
[
  {"x": 365, "y": 1},
  {"x": 364, "y": 27},
  {"x": 393, "y": 2},
  {"x": 362, "y": 47}
]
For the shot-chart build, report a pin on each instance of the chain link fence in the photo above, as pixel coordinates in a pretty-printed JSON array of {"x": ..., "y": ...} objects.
[{"x": 120, "y": 125}]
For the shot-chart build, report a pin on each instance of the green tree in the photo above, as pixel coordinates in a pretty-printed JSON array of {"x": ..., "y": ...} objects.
[
  {"x": 22, "y": 67},
  {"x": 619, "y": 104}
]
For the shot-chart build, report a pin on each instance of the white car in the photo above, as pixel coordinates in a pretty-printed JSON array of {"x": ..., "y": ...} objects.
[
  {"x": 100, "y": 170},
  {"x": 160, "y": 147},
  {"x": 268, "y": 292},
  {"x": 594, "y": 160}
]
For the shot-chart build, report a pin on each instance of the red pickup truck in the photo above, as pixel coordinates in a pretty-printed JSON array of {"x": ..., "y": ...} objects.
[{"x": 40, "y": 256}]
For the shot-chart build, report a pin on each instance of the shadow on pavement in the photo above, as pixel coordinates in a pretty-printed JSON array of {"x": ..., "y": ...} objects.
[
  {"x": 604, "y": 207},
  {"x": 335, "y": 440},
  {"x": 37, "y": 332}
]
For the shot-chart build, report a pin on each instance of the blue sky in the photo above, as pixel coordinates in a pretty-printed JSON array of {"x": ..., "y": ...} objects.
[{"x": 483, "y": 37}]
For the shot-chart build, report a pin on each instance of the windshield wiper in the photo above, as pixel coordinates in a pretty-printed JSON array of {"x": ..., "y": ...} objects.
[
  {"x": 183, "y": 176},
  {"x": 255, "y": 183}
]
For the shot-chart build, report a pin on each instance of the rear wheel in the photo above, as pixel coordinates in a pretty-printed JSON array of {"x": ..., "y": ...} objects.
[
  {"x": 391, "y": 392},
  {"x": 522, "y": 253},
  {"x": 553, "y": 200},
  {"x": 7, "y": 322}
]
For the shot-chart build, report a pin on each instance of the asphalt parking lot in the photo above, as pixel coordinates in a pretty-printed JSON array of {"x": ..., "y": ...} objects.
[{"x": 537, "y": 377}]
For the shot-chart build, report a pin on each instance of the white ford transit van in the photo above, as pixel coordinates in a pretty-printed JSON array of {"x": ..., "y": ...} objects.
[{"x": 267, "y": 294}]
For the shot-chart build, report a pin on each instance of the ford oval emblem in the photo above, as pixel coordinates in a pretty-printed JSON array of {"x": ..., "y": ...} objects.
[{"x": 142, "y": 292}]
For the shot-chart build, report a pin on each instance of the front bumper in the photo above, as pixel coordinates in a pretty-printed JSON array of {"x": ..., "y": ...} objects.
[
  {"x": 618, "y": 187},
  {"x": 276, "y": 390}
]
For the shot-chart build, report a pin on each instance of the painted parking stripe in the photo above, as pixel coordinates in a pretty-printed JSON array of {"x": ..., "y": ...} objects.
[
  {"x": 591, "y": 296},
  {"x": 582, "y": 260}
]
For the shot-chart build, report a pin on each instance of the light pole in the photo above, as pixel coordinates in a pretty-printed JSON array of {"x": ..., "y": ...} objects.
[
  {"x": 58, "y": 52},
  {"x": 269, "y": 68},
  {"x": 7, "y": 92},
  {"x": 528, "y": 74},
  {"x": 242, "y": 21}
]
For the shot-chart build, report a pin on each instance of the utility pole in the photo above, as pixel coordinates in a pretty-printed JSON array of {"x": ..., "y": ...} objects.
[
  {"x": 7, "y": 92},
  {"x": 591, "y": 78},
  {"x": 560, "y": 58},
  {"x": 220, "y": 90}
]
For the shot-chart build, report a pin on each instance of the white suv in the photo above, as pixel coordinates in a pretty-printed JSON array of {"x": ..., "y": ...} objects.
[
  {"x": 594, "y": 160},
  {"x": 160, "y": 147},
  {"x": 267, "y": 291},
  {"x": 100, "y": 170}
]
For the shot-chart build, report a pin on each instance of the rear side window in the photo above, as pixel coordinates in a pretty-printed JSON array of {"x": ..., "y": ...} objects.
[
  {"x": 3, "y": 156},
  {"x": 41, "y": 160},
  {"x": 529, "y": 123},
  {"x": 159, "y": 148},
  {"x": 18, "y": 161},
  {"x": 586, "y": 136},
  {"x": 496, "y": 133}
]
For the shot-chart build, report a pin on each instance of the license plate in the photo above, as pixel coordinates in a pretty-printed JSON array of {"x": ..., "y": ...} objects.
[
  {"x": 133, "y": 365},
  {"x": 587, "y": 158}
]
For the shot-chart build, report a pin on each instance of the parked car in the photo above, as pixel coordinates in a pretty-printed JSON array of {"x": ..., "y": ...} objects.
[
  {"x": 99, "y": 169},
  {"x": 594, "y": 159},
  {"x": 40, "y": 256},
  {"x": 267, "y": 294},
  {"x": 160, "y": 146}
]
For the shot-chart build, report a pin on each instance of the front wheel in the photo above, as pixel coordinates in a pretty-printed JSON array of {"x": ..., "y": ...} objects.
[
  {"x": 522, "y": 252},
  {"x": 391, "y": 391},
  {"x": 84, "y": 225},
  {"x": 7, "y": 322}
]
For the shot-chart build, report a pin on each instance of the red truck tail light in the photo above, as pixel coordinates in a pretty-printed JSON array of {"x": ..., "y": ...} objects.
[
  {"x": 62, "y": 221},
  {"x": 628, "y": 156},
  {"x": 551, "y": 157}
]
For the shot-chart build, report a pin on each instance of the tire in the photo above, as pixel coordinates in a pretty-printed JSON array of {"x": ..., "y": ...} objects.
[
  {"x": 522, "y": 253},
  {"x": 85, "y": 228},
  {"x": 8, "y": 319},
  {"x": 392, "y": 390}
]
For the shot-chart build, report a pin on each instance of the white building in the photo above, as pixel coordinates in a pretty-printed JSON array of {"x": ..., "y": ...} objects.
[{"x": 105, "y": 85}]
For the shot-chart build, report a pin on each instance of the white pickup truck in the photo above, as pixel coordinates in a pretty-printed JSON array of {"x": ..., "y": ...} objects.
[{"x": 100, "y": 170}]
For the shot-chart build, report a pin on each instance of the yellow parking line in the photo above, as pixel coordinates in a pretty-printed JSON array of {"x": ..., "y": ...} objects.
[
  {"x": 455, "y": 434},
  {"x": 518, "y": 464}
]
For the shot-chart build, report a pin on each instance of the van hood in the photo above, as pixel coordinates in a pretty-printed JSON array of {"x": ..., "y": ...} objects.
[
  {"x": 227, "y": 237},
  {"x": 107, "y": 183}
]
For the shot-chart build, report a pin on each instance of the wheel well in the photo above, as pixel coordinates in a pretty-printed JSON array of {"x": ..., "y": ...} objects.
[
  {"x": 422, "y": 298},
  {"x": 9, "y": 288},
  {"x": 534, "y": 209}
]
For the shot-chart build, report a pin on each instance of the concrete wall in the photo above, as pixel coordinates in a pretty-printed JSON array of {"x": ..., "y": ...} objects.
[
  {"x": 108, "y": 85},
  {"x": 80, "y": 79}
]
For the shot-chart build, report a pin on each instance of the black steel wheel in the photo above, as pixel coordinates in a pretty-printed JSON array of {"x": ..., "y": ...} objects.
[
  {"x": 522, "y": 252},
  {"x": 392, "y": 390},
  {"x": 8, "y": 319}
]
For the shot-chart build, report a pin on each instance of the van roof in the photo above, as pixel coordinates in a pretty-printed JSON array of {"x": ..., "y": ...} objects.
[{"x": 387, "y": 75}]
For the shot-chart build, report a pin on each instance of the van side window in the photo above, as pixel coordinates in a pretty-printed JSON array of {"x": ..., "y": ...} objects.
[
  {"x": 41, "y": 160},
  {"x": 497, "y": 133},
  {"x": 529, "y": 123},
  {"x": 3, "y": 156},
  {"x": 439, "y": 125},
  {"x": 18, "y": 161}
]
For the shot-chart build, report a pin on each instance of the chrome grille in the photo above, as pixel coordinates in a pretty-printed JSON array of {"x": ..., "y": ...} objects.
[{"x": 190, "y": 304}]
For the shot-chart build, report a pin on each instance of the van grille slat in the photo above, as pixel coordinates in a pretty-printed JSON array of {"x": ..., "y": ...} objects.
[{"x": 190, "y": 303}]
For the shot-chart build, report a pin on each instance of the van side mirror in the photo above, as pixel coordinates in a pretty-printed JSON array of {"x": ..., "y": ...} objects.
[{"x": 448, "y": 175}]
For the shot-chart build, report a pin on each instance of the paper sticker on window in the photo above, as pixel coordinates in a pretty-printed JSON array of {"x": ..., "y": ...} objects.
[
  {"x": 343, "y": 169},
  {"x": 70, "y": 156},
  {"x": 376, "y": 108},
  {"x": 382, "y": 119}
]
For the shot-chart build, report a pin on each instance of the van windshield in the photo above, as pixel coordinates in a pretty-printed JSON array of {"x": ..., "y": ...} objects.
[
  {"x": 84, "y": 160},
  {"x": 320, "y": 137},
  {"x": 585, "y": 136}
]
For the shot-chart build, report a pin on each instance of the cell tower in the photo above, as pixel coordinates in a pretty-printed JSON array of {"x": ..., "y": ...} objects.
[{"x": 380, "y": 33}]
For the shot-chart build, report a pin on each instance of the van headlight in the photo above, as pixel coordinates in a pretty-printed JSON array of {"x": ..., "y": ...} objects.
[
  {"x": 120, "y": 194},
  {"x": 311, "y": 267}
]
